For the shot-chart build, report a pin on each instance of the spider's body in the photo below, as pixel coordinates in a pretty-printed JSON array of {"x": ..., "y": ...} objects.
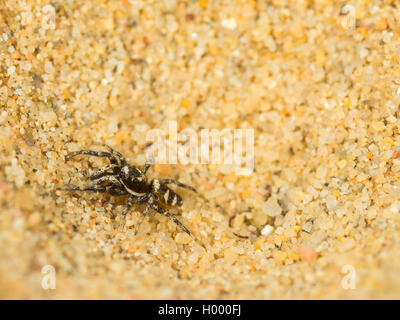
[{"x": 120, "y": 179}]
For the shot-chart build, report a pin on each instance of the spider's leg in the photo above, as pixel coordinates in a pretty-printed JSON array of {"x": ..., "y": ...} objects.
[
  {"x": 95, "y": 187},
  {"x": 114, "y": 190},
  {"x": 102, "y": 171},
  {"x": 148, "y": 164},
  {"x": 179, "y": 184},
  {"x": 109, "y": 178},
  {"x": 142, "y": 199},
  {"x": 160, "y": 210},
  {"x": 129, "y": 204},
  {"x": 128, "y": 208},
  {"x": 108, "y": 155},
  {"x": 98, "y": 186},
  {"x": 141, "y": 219},
  {"x": 116, "y": 153},
  {"x": 146, "y": 167}
]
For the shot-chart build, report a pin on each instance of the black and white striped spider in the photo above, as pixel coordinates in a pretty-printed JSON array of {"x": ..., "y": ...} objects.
[{"x": 121, "y": 179}]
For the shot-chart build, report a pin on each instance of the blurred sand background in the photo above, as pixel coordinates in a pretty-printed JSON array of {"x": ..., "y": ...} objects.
[{"x": 318, "y": 81}]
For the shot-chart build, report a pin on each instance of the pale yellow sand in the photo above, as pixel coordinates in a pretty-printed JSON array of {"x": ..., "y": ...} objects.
[{"x": 320, "y": 89}]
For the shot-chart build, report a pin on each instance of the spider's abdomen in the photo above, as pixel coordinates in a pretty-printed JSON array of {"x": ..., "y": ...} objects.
[
  {"x": 166, "y": 194},
  {"x": 171, "y": 198}
]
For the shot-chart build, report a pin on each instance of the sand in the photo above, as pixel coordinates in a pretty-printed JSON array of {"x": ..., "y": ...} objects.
[{"x": 317, "y": 81}]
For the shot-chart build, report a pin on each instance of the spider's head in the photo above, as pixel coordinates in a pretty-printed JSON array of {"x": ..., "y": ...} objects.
[
  {"x": 124, "y": 173},
  {"x": 132, "y": 174}
]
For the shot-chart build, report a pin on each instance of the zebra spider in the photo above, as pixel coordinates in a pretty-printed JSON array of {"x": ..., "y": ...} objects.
[{"x": 119, "y": 179}]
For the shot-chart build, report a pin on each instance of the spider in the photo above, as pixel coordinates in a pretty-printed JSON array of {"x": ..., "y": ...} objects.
[{"x": 121, "y": 179}]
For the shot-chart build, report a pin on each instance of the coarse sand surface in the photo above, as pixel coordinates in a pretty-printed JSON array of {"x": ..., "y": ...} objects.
[{"x": 318, "y": 82}]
